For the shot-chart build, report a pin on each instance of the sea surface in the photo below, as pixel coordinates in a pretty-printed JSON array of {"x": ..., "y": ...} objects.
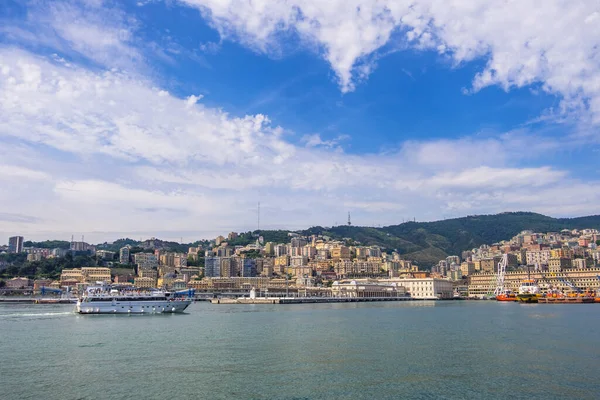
[{"x": 404, "y": 350}]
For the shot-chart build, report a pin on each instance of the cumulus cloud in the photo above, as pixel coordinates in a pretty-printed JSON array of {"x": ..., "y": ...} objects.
[
  {"x": 515, "y": 37},
  {"x": 104, "y": 149},
  {"x": 140, "y": 156}
]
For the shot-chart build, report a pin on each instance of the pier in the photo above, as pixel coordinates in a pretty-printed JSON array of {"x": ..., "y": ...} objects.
[{"x": 306, "y": 300}]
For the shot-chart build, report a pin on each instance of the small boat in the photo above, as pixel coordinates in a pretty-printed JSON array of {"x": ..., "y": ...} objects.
[
  {"x": 529, "y": 291},
  {"x": 507, "y": 295}
]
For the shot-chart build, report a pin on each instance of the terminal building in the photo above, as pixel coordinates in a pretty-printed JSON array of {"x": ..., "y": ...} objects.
[{"x": 483, "y": 284}]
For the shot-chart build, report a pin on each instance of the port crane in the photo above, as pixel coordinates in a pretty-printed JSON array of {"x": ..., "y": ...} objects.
[
  {"x": 500, "y": 275},
  {"x": 570, "y": 284}
]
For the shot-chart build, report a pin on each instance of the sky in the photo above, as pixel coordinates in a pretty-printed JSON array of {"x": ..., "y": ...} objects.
[{"x": 176, "y": 118}]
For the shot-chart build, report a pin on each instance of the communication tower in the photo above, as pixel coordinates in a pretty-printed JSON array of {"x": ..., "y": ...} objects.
[{"x": 349, "y": 222}]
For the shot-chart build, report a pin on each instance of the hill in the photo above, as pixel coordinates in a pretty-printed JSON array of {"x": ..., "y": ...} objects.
[{"x": 428, "y": 242}]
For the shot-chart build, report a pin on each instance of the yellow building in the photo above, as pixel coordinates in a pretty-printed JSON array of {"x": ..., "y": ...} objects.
[
  {"x": 282, "y": 261},
  {"x": 340, "y": 253},
  {"x": 467, "y": 268},
  {"x": 95, "y": 274},
  {"x": 71, "y": 275},
  {"x": 144, "y": 282}
]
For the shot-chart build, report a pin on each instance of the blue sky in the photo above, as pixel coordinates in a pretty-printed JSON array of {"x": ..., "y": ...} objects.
[{"x": 175, "y": 118}]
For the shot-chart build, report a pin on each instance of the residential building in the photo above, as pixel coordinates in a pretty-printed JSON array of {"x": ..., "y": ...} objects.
[
  {"x": 340, "y": 253},
  {"x": 144, "y": 282},
  {"x": 15, "y": 244},
  {"x": 538, "y": 257},
  {"x": 557, "y": 264},
  {"x": 105, "y": 254},
  {"x": 249, "y": 267},
  {"x": 124, "y": 254},
  {"x": 145, "y": 260},
  {"x": 212, "y": 267},
  {"x": 467, "y": 268}
]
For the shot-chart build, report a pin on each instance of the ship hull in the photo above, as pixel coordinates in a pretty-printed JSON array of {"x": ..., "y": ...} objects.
[
  {"x": 132, "y": 307},
  {"x": 566, "y": 300},
  {"x": 527, "y": 298},
  {"x": 503, "y": 297}
]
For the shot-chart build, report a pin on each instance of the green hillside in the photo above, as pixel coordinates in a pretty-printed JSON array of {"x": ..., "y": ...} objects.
[{"x": 428, "y": 242}]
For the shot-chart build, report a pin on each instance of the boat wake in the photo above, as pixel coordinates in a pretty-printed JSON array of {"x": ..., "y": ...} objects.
[{"x": 36, "y": 315}]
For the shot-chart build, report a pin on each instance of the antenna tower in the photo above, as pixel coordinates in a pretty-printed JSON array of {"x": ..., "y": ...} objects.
[
  {"x": 258, "y": 218},
  {"x": 349, "y": 222}
]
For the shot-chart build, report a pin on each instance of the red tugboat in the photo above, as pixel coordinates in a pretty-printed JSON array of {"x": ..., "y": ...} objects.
[{"x": 507, "y": 295}]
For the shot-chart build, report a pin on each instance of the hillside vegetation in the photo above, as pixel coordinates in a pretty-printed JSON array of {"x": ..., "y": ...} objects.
[{"x": 428, "y": 242}]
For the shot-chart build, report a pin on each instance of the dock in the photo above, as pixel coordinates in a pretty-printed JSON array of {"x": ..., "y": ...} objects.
[{"x": 307, "y": 300}]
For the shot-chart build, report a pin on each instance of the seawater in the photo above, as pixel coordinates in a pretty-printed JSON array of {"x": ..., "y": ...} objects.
[{"x": 404, "y": 350}]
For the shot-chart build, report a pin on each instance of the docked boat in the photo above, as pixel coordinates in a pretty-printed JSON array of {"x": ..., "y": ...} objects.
[
  {"x": 507, "y": 295},
  {"x": 104, "y": 299},
  {"x": 529, "y": 291},
  {"x": 555, "y": 296},
  {"x": 566, "y": 300}
]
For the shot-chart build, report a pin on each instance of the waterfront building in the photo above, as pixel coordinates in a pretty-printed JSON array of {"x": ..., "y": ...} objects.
[
  {"x": 360, "y": 288},
  {"x": 18, "y": 283},
  {"x": 425, "y": 288},
  {"x": 71, "y": 275},
  {"x": 15, "y": 244},
  {"x": 484, "y": 283},
  {"x": 95, "y": 274}
]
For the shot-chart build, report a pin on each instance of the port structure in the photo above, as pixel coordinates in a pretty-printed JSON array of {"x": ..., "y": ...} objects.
[{"x": 500, "y": 275}]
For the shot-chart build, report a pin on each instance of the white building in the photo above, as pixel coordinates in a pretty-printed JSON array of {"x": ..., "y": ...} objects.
[{"x": 426, "y": 288}]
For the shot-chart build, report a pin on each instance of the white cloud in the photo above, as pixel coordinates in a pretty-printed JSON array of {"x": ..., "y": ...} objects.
[
  {"x": 552, "y": 42},
  {"x": 135, "y": 158},
  {"x": 96, "y": 30}
]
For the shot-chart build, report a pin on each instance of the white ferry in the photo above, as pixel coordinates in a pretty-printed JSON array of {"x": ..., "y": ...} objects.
[{"x": 104, "y": 299}]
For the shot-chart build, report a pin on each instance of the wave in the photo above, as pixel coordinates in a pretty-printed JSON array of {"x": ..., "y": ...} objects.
[{"x": 29, "y": 315}]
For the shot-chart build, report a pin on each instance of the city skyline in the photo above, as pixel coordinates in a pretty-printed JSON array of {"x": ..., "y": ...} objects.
[{"x": 118, "y": 117}]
